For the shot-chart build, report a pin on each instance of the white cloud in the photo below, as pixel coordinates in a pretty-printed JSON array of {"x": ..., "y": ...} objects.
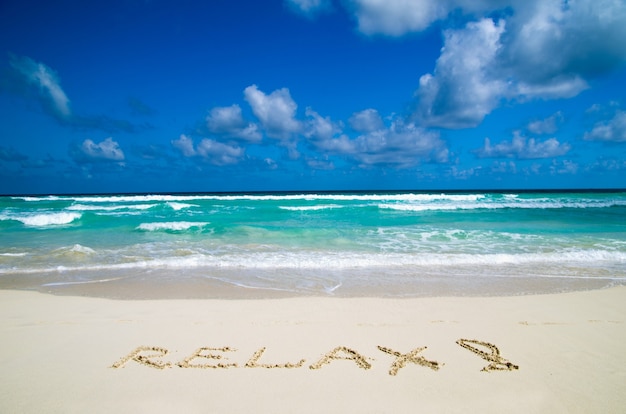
[
  {"x": 563, "y": 167},
  {"x": 613, "y": 130},
  {"x": 270, "y": 163},
  {"x": 604, "y": 164},
  {"x": 275, "y": 111},
  {"x": 507, "y": 50},
  {"x": 462, "y": 90},
  {"x": 185, "y": 145},
  {"x": 219, "y": 153},
  {"x": 367, "y": 120},
  {"x": 396, "y": 17},
  {"x": 46, "y": 80},
  {"x": 228, "y": 121},
  {"x": 521, "y": 147},
  {"x": 309, "y": 7},
  {"x": 504, "y": 167},
  {"x": 105, "y": 150},
  {"x": 546, "y": 126},
  {"x": 399, "y": 17},
  {"x": 401, "y": 145},
  {"x": 320, "y": 127},
  {"x": 558, "y": 42},
  {"x": 210, "y": 150},
  {"x": 318, "y": 164},
  {"x": 560, "y": 86},
  {"x": 539, "y": 49},
  {"x": 460, "y": 174},
  {"x": 482, "y": 65}
]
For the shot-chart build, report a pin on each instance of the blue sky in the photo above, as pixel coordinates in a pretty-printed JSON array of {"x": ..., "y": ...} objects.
[{"x": 234, "y": 95}]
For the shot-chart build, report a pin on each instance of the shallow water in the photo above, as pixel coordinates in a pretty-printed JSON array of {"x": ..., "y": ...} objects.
[{"x": 352, "y": 244}]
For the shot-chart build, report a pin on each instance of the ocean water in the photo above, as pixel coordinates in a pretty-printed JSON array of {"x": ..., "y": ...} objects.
[{"x": 351, "y": 244}]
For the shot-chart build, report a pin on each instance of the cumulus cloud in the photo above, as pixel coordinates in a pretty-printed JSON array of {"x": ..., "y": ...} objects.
[
  {"x": 319, "y": 127},
  {"x": 542, "y": 50},
  {"x": 398, "y": 17},
  {"x": 309, "y": 7},
  {"x": 106, "y": 150},
  {"x": 228, "y": 121},
  {"x": 275, "y": 111},
  {"x": 210, "y": 150},
  {"x": 401, "y": 145},
  {"x": 367, "y": 120},
  {"x": 607, "y": 164},
  {"x": 563, "y": 167},
  {"x": 548, "y": 125},
  {"x": 498, "y": 51},
  {"x": 504, "y": 167},
  {"x": 613, "y": 130},
  {"x": 464, "y": 174},
  {"x": 219, "y": 153},
  {"x": 47, "y": 81},
  {"x": 185, "y": 145},
  {"x": 521, "y": 147},
  {"x": 462, "y": 89},
  {"x": 552, "y": 40}
]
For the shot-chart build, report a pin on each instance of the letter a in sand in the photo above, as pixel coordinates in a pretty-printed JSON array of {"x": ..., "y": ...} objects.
[{"x": 348, "y": 354}]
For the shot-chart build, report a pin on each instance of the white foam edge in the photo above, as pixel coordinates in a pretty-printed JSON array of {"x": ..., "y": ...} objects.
[
  {"x": 171, "y": 225},
  {"x": 82, "y": 282}
]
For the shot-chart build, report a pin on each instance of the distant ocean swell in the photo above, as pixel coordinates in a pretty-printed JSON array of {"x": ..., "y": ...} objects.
[{"x": 390, "y": 243}]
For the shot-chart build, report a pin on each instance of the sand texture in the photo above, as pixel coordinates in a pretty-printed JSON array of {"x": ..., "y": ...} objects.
[{"x": 558, "y": 353}]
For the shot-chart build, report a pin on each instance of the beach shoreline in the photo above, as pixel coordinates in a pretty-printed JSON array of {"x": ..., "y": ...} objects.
[
  {"x": 228, "y": 284},
  {"x": 562, "y": 353}
]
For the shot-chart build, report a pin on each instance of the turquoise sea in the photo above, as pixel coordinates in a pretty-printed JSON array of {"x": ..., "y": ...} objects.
[{"x": 342, "y": 244}]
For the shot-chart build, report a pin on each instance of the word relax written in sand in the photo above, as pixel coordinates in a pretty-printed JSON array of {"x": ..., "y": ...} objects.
[{"x": 150, "y": 357}]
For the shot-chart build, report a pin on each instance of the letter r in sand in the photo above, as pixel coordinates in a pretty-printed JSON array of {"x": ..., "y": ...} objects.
[{"x": 147, "y": 360}]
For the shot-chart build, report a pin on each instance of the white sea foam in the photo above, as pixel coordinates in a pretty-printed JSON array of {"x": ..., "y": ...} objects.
[
  {"x": 45, "y": 219},
  {"x": 397, "y": 201},
  {"x": 418, "y": 207},
  {"x": 492, "y": 205},
  {"x": 179, "y": 206},
  {"x": 77, "y": 248},
  {"x": 171, "y": 226},
  {"x": 412, "y": 265},
  {"x": 310, "y": 208},
  {"x": 39, "y": 198},
  {"x": 82, "y": 282},
  {"x": 91, "y": 207},
  {"x": 264, "y": 197}
]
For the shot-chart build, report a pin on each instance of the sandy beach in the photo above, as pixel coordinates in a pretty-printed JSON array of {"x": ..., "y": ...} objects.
[{"x": 557, "y": 353}]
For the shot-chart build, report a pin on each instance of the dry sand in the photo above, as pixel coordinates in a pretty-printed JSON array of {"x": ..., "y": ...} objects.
[{"x": 562, "y": 353}]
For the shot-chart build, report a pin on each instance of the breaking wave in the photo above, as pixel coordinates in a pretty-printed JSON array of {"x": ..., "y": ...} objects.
[
  {"x": 43, "y": 219},
  {"x": 171, "y": 226}
]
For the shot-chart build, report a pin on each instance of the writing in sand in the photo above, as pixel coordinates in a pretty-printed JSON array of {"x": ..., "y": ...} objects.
[{"x": 216, "y": 358}]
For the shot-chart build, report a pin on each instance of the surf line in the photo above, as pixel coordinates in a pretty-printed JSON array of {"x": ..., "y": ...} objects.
[{"x": 151, "y": 356}]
